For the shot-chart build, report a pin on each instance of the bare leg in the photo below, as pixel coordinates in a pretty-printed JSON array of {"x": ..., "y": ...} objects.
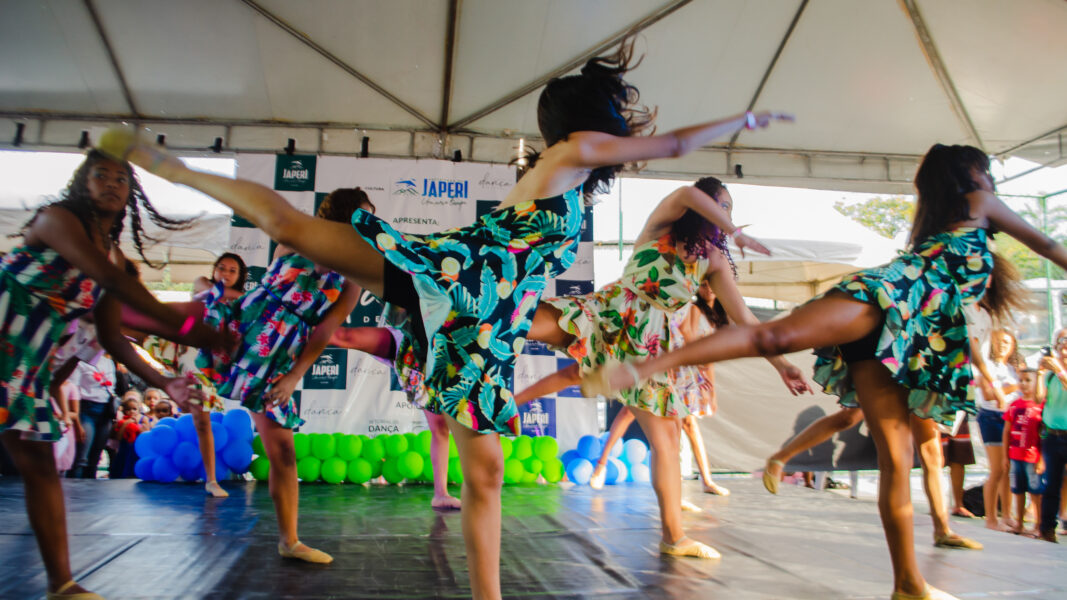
[
  {"x": 1005, "y": 495},
  {"x": 44, "y": 505},
  {"x": 885, "y": 407},
  {"x": 550, "y": 384},
  {"x": 991, "y": 489},
  {"x": 544, "y": 327},
  {"x": 376, "y": 341},
  {"x": 439, "y": 459},
  {"x": 330, "y": 244},
  {"x": 1020, "y": 509},
  {"x": 955, "y": 471},
  {"x": 202, "y": 421},
  {"x": 814, "y": 434},
  {"x": 663, "y": 434},
  {"x": 928, "y": 443},
  {"x": 830, "y": 320},
  {"x": 1035, "y": 501},
  {"x": 483, "y": 476},
  {"x": 696, "y": 441},
  {"x": 619, "y": 425},
  {"x": 285, "y": 488}
]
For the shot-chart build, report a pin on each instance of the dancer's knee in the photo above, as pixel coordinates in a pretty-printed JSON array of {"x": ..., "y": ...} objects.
[
  {"x": 771, "y": 341},
  {"x": 485, "y": 478}
]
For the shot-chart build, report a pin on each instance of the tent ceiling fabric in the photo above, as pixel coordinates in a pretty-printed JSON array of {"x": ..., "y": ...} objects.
[{"x": 869, "y": 95}]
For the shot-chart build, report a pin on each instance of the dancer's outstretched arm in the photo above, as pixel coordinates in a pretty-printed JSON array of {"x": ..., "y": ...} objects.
[
  {"x": 1004, "y": 219},
  {"x": 672, "y": 208},
  {"x": 720, "y": 278},
  {"x": 282, "y": 388}
]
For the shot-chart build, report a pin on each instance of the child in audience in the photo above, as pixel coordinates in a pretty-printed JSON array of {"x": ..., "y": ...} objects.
[{"x": 1022, "y": 438}]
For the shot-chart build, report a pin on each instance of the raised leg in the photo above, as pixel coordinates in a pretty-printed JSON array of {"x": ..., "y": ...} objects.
[
  {"x": 439, "y": 460},
  {"x": 550, "y": 384},
  {"x": 376, "y": 341},
  {"x": 483, "y": 477},
  {"x": 884, "y": 405}
]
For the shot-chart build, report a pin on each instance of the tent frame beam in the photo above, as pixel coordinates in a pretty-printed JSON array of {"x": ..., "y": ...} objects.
[
  {"x": 570, "y": 65},
  {"x": 310, "y": 43},
  {"x": 770, "y": 68},
  {"x": 933, "y": 57},
  {"x": 450, "y": 59},
  {"x": 112, "y": 57}
]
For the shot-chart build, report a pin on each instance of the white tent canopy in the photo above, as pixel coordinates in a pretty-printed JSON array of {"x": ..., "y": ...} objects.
[{"x": 873, "y": 83}]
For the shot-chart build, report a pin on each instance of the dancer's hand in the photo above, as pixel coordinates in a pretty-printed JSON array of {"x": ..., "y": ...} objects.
[
  {"x": 743, "y": 240},
  {"x": 794, "y": 379},
  {"x": 764, "y": 117},
  {"x": 223, "y": 340},
  {"x": 184, "y": 391},
  {"x": 281, "y": 390}
]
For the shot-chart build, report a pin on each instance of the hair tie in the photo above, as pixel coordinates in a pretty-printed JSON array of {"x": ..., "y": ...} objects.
[{"x": 187, "y": 326}]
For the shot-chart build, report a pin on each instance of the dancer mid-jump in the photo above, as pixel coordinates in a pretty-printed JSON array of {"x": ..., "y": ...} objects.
[
  {"x": 471, "y": 291},
  {"x": 894, "y": 337}
]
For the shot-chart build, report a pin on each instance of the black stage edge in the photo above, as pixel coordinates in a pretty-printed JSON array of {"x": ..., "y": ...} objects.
[{"x": 146, "y": 540}]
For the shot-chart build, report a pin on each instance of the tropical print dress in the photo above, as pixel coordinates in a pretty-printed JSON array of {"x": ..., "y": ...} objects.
[
  {"x": 629, "y": 320},
  {"x": 923, "y": 341},
  {"x": 478, "y": 287},
  {"x": 689, "y": 381},
  {"x": 273, "y": 322},
  {"x": 40, "y": 294}
]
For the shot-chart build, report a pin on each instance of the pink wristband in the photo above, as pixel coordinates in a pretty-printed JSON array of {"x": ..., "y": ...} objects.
[{"x": 187, "y": 326}]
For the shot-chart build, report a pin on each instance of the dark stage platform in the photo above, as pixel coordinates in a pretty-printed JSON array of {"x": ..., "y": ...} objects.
[{"x": 140, "y": 540}]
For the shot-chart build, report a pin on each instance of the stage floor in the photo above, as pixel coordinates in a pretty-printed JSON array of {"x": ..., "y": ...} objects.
[{"x": 144, "y": 540}]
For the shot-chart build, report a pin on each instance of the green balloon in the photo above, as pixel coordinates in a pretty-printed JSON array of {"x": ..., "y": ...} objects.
[
  {"x": 323, "y": 445},
  {"x": 363, "y": 439},
  {"x": 391, "y": 470},
  {"x": 546, "y": 447},
  {"x": 376, "y": 468},
  {"x": 533, "y": 465},
  {"x": 422, "y": 442},
  {"x": 257, "y": 446},
  {"x": 523, "y": 447},
  {"x": 260, "y": 468},
  {"x": 455, "y": 471},
  {"x": 528, "y": 477},
  {"x": 396, "y": 445},
  {"x": 334, "y": 470},
  {"x": 373, "y": 450},
  {"x": 349, "y": 447},
  {"x": 513, "y": 471},
  {"x": 427, "y": 470},
  {"x": 453, "y": 451},
  {"x": 507, "y": 447},
  {"x": 359, "y": 470},
  {"x": 411, "y": 464},
  {"x": 411, "y": 438},
  {"x": 552, "y": 470},
  {"x": 308, "y": 469},
  {"x": 301, "y": 444}
]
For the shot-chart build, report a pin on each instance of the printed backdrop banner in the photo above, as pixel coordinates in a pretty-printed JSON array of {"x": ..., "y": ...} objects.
[{"x": 352, "y": 392}]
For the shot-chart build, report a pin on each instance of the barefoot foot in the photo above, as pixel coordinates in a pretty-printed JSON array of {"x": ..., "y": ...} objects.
[
  {"x": 713, "y": 488},
  {"x": 599, "y": 476},
  {"x": 213, "y": 488},
  {"x": 445, "y": 502}
]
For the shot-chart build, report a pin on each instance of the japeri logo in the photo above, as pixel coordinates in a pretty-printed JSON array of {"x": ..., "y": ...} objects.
[{"x": 405, "y": 187}]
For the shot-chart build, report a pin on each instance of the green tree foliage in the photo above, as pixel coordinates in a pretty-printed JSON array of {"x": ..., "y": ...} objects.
[{"x": 887, "y": 216}]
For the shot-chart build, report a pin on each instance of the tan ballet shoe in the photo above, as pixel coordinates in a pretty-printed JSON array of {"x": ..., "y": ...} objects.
[
  {"x": 301, "y": 551},
  {"x": 771, "y": 481},
  {"x": 955, "y": 540},
  {"x": 121, "y": 142},
  {"x": 595, "y": 383},
  {"x": 689, "y": 547},
  {"x": 59, "y": 595},
  {"x": 599, "y": 477},
  {"x": 215, "y": 490},
  {"x": 688, "y": 506},
  {"x": 930, "y": 593}
]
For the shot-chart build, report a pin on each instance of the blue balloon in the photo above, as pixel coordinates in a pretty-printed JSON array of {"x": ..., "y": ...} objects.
[
  {"x": 621, "y": 472},
  {"x": 238, "y": 424},
  {"x": 579, "y": 470},
  {"x": 186, "y": 429},
  {"x": 640, "y": 473},
  {"x": 237, "y": 456},
  {"x": 222, "y": 437},
  {"x": 192, "y": 475},
  {"x": 589, "y": 447},
  {"x": 186, "y": 456},
  {"x": 634, "y": 452},
  {"x": 143, "y": 446},
  {"x": 143, "y": 468},
  {"x": 611, "y": 472},
  {"x": 222, "y": 472},
  {"x": 216, "y": 417},
  {"x": 616, "y": 449},
  {"x": 167, "y": 422},
  {"x": 164, "y": 470},
  {"x": 568, "y": 456},
  {"x": 164, "y": 439}
]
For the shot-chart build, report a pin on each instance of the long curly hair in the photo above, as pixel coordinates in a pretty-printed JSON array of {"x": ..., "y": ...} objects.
[
  {"x": 339, "y": 204},
  {"x": 696, "y": 233},
  {"x": 76, "y": 199},
  {"x": 596, "y": 99}
]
